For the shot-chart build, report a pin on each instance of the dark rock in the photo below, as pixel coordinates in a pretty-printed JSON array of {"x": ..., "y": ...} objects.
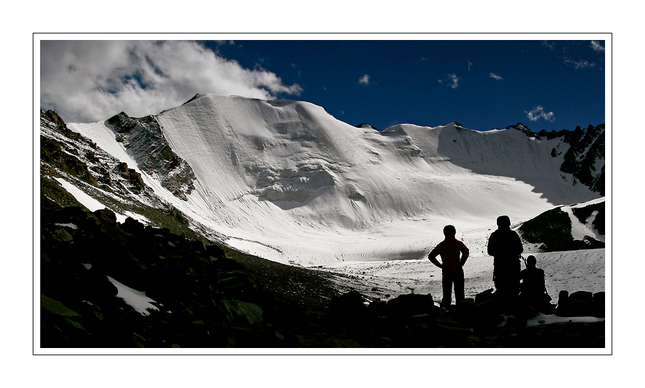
[
  {"x": 411, "y": 304},
  {"x": 150, "y": 149},
  {"x": 484, "y": 296},
  {"x": 106, "y": 215},
  {"x": 598, "y": 308},
  {"x": 132, "y": 225},
  {"x": 579, "y": 303},
  {"x": 97, "y": 287},
  {"x": 62, "y": 235},
  {"x": 347, "y": 305},
  {"x": 563, "y": 297},
  {"x": 583, "y": 297}
]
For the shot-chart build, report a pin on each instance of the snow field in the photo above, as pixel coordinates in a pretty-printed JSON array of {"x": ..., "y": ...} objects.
[
  {"x": 286, "y": 181},
  {"x": 571, "y": 271}
]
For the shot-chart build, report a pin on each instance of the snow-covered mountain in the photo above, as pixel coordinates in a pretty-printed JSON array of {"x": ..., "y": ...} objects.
[{"x": 287, "y": 181}]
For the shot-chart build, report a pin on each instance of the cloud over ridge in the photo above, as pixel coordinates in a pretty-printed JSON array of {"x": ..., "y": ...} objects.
[{"x": 92, "y": 80}]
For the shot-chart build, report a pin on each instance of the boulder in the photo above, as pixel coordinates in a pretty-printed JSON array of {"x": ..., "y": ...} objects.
[
  {"x": 106, "y": 215},
  {"x": 411, "y": 304},
  {"x": 349, "y": 304},
  {"x": 598, "y": 305},
  {"x": 579, "y": 303}
]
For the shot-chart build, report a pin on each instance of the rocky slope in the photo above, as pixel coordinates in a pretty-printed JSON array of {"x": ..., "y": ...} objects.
[{"x": 205, "y": 296}]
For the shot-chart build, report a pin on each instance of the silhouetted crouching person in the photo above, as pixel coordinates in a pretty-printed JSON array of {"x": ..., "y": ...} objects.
[
  {"x": 506, "y": 247},
  {"x": 453, "y": 257},
  {"x": 533, "y": 289}
]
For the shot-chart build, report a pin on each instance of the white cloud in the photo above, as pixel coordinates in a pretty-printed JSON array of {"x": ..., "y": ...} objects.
[
  {"x": 93, "y": 80},
  {"x": 595, "y": 45},
  {"x": 495, "y": 76},
  {"x": 470, "y": 64},
  {"x": 451, "y": 81},
  {"x": 538, "y": 112},
  {"x": 364, "y": 80},
  {"x": 549, "y": 45},
  {"x": 579, "y": 64}
]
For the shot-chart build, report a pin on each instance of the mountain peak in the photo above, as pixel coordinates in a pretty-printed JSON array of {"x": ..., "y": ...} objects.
[{"x": 267, "y": 174}]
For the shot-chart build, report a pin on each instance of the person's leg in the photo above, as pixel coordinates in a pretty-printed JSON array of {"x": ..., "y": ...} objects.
[
  {"x": 498, "y": 279},
  {"x": 447, "y": 290},
  {"x": 459, "y": 287},
  {"x": 514, "y": 286}
]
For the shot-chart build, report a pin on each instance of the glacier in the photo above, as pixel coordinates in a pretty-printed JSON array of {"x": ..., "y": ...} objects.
[{"x": 287, "y": 181}]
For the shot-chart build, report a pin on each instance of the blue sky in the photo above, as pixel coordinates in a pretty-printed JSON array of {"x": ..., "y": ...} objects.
[{"x": 482, "y": 84}]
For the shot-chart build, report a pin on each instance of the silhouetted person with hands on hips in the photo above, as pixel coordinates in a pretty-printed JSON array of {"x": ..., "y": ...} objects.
[
  {"x": 453, "y": 257},
  {"x": 505, "y": 246}
]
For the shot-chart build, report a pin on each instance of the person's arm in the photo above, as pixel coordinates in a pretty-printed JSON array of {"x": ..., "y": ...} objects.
[
  {"x": 491, "y": 245},
  {"x": 518, "y": 244},
  {"x": 433, "y": 257},
  {"x": 464, "y": 253}
]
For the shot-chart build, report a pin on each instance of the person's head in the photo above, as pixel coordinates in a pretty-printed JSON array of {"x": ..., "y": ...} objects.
[
  {"x": 531, "y": 262},
  {"x": 449, "y": 230},
  {"x": 503, "y": 222}
]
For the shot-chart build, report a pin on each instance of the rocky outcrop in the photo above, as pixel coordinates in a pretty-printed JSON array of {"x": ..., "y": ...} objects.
[
  {"x": 553, "y": 230},
  {"x": 65, "y": 151},
  {"x": 584, "y": 157},
  {"x": 144, "y": 140},
  {"x": 56, "y": 152}
]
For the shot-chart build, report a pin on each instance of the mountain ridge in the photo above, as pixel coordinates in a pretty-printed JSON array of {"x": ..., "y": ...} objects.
[{"x": 265, "y": 173}]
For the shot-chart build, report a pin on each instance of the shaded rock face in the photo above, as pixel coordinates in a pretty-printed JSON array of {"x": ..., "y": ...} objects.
[
  {"x": 132, "y": 176},
  {"x": 585, "y": 157},
  {"x": 552, "y": 230},
  {"x": 582, "y": 158},
  {"x": 144, "y": 140},
  {"x": 65, "y": 151},
  {"x": 56, "y": 152},
  {"x": 594, "y": 214}
]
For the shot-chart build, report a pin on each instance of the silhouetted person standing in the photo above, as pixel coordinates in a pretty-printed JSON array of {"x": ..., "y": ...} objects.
[
  {"x": 506, "y": 247},
  {"x": 453, "y": 257},
  {"x": 533, "y": 289}
]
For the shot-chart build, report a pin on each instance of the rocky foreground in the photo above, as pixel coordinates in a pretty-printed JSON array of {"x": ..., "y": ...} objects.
[{"x": 209, "y": 296}]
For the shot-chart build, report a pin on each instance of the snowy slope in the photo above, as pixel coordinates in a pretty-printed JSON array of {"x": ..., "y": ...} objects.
[
  {"x": 287, "y": 181},
  {"x": 581, "y": 270}
]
